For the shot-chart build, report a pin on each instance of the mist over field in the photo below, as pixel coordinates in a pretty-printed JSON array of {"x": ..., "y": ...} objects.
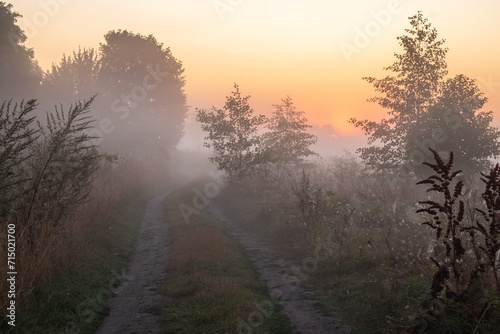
[{"x": 249, "y": 167}]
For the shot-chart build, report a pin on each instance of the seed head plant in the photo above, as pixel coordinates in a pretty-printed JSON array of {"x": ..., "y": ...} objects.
[
  {"x": 465, "y": 279},
  {"x": 446, "y": 219}
]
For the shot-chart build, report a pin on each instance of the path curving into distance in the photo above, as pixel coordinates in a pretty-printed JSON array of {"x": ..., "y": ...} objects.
[{"x": 135, "y": 307}]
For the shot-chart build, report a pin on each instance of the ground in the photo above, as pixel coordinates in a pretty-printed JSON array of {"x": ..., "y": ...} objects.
[{"x": 136, "y": 306}]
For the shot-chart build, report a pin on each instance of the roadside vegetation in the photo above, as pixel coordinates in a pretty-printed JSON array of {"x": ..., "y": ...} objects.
[
  {"x": 400, "y": 259},
  {"x": 379, "y": 276},
  {"x": 74, "y": 214},
  {"x": 211, "y": 285},
  {"x": 76, "y": 168}
]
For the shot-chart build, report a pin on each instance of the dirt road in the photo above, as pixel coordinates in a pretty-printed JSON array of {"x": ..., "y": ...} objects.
[
  {"x": 135, "y": 309},
  {"x": 282, "y": 283}
]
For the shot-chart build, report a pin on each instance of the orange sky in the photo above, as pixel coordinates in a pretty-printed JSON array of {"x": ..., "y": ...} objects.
[{"x": 276, "y": 48}]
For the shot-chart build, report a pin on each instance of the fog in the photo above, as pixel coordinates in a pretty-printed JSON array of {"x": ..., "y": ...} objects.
[
  {"x": 294, "y": 180},
  {"x": 144, "y": 91}
]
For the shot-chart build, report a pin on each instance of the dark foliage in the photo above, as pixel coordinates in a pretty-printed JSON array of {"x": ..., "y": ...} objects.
[{"x": 460, "y": 283}]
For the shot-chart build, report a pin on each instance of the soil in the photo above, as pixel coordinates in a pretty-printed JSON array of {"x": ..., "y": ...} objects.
[
  {"x": 135, "y": 307},
  {"x": 282, "y": 283}
]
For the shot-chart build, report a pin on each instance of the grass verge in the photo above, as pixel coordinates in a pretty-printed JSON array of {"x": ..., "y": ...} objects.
[
  {"x": 211, "y": 286},
  {"x": 74, "y": 300},
  {"x": 378, "y": 283},
  {"x": 368, "y": 294}
]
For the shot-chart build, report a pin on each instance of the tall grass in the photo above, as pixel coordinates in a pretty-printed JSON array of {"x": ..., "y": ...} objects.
[
  {"x": 379, "y": 274},
  {"x": 62, "y": 195},
  {"x": 46, "y": 173}
]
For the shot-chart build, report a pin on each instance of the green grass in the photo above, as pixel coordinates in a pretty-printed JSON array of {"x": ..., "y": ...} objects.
[
  {"x": 364, "y": 292},
  {"x": 370, "y": 297},
  {"x": 74, "y": 301},
  {"x": 380, "y": 282},
  {"x": 211, "y": 286}
]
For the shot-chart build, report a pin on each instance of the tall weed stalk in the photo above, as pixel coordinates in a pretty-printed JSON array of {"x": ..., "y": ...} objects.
[{"x": 467, "y": 266}]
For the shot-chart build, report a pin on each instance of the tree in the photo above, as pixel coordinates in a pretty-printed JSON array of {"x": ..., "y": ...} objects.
[
  {"x": 19, "y": 73},
  {"x": 232, "y": 133},
  {"x": 416, "y": 96},
  {"x": 144, "y": 86},
  {"x": 74, "y": 78},
  {"x": 288, "y": 141},
  {"x": 455, "y": 123},
  {"x": 140, "y": 106}
]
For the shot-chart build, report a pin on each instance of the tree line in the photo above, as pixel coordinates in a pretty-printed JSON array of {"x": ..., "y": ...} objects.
[
  {"x": 138, "y": 85},
  {"x": 426, "y": 109}
]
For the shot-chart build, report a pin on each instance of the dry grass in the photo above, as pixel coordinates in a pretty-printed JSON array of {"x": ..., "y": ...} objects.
[
  {"x": 211, "y": 287},
  {"x": 204, "y": 244},
  {"x": 378, "y": 273},
  {"x": 58, "y": 251}
]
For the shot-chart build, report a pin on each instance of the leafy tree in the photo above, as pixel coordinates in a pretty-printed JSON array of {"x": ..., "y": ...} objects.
[
  {"x": 455, "y": 123},
  {"x": 74, "y": 78},
  {"x": 141, "y": 105},
  {"x": 232, "y": 133},
  {"x": 416, "y": 96},
  {"x": 19, "y": 73},
  {"x": 288, "y": 141},
  {"x": 144, "y": 86},
  {"x": 407, "y": 95}
]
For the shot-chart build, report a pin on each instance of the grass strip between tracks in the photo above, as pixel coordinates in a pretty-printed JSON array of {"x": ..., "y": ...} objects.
[{"x": 211, "y": 286}]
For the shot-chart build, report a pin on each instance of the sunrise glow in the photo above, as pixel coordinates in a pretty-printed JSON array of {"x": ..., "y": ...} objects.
[{"x": 316, "y": 52}]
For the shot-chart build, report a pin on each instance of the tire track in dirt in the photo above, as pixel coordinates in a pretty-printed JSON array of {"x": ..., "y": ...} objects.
[
  {"x": 282, "y": 283},
  {"x": 135, "y": 307}
]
